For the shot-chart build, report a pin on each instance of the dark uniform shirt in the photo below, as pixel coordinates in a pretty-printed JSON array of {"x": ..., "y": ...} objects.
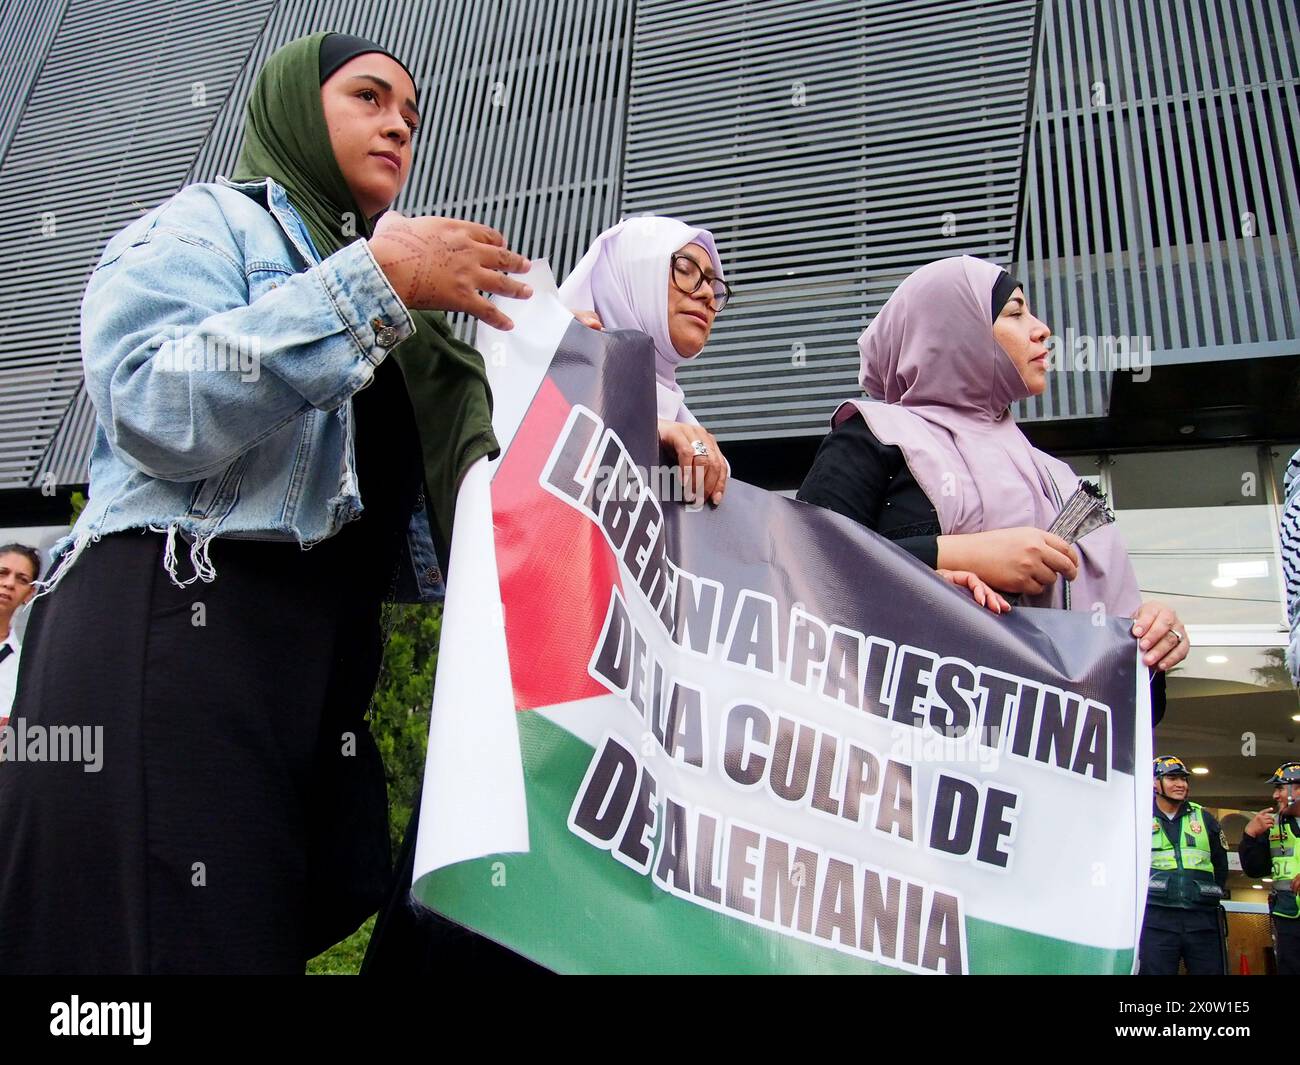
[
  {"x": 1256, "y": 857},
  {"x": 1182, "y": 919}
]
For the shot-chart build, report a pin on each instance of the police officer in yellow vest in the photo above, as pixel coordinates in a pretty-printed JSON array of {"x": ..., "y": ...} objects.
[
  {"x": 1270, "y": 846},
  {"x": 1189, "y": 876}
]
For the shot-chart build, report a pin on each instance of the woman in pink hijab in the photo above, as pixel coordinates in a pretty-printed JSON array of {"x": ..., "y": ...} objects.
[
  {"x": 663, "y": 278},
  {"x": 933, "y": 459}
]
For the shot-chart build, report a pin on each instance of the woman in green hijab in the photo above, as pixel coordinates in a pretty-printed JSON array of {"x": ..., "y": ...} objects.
[{"x": 269, "y": 373}]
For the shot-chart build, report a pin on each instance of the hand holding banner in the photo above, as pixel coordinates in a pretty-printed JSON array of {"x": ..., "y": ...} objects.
[{"x": 757, "y": 738}]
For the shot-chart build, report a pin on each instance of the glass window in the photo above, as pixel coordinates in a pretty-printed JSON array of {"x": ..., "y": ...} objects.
[{"x": 1201, "y": 531}]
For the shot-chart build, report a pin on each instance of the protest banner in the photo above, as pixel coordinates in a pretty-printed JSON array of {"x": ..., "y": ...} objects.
[{"x": 757, "y": 737}]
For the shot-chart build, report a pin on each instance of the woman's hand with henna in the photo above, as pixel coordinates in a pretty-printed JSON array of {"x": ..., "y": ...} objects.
[{"x": 443, "y": 264}]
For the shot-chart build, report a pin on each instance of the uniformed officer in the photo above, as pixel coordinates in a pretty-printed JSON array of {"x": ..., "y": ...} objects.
[
  {"x": 1269, "y": 848},
  {"x": 1189, "y": 876}
]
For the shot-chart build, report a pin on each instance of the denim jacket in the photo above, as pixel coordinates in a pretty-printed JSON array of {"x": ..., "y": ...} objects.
[{"x": 221, "y": 354}]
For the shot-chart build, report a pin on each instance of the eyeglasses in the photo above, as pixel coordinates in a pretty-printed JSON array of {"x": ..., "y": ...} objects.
[{"x": 687, "y": 276}]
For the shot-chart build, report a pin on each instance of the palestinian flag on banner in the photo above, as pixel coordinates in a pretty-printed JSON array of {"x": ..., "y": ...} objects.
[{"x": 756, "y": 738}]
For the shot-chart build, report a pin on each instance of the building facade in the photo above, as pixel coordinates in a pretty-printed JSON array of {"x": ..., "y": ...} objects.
[{"x": 1135, "y": 165}]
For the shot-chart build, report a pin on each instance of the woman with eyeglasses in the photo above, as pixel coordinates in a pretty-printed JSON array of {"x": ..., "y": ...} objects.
[{"x": 664, "y": 278}]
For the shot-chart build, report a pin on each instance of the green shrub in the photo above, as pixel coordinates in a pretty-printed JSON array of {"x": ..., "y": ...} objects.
[{"x": 399, "y": 713}]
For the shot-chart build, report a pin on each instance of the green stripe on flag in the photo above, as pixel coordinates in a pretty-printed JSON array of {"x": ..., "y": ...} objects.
[{"x": 573, "y": 908}]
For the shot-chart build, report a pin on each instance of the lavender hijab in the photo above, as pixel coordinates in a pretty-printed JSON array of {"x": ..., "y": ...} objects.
[
  {"x": 940, "y": 387},
  {"x": 624, "y": 279}
]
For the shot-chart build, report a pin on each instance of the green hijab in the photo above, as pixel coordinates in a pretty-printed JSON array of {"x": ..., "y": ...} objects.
[{"x": 286, "y": 139}]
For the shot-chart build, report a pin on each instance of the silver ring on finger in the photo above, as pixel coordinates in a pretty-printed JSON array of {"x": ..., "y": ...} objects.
[
  {"x": 700, "y": 448},
  {"x": 1177, "y": 635}
]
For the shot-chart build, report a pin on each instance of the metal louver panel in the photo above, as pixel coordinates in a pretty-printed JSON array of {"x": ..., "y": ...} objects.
[
  {"x": 26, "y": 30},
  {"x": 522, "y": 108},
  {"x": 126, "y": 93},
  {"x": 1161, "y": 189},
  {"x": 831, "y": 146}
]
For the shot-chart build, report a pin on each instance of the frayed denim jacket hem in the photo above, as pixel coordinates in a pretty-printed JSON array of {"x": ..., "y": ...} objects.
[{"x": 221, "y": 353}]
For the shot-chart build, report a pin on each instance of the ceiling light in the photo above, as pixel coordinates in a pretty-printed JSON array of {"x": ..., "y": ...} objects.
[
  {"x": 1216, "y": 660},
  {"x": 1224, "y": 582},
  {"x": 1187, "y": 430},
  {"x": 1257, "y": 887},
  {"x": 1200, "y": 770}
]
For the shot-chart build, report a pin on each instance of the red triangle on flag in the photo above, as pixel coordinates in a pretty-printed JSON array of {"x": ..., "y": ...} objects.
[{"x": 556, "y": 568}]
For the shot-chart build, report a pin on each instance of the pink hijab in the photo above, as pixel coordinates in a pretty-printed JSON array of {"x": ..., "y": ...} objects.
[{"x": 940, "y": 388}]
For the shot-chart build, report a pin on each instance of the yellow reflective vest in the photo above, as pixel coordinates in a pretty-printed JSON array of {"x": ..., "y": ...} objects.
[
  {"x": 1182, "y": 873},
  {"x": 1284, "y": 849}
]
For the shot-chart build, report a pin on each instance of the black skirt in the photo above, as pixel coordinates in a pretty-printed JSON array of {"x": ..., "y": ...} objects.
[{"x": 237, "y": 821}]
